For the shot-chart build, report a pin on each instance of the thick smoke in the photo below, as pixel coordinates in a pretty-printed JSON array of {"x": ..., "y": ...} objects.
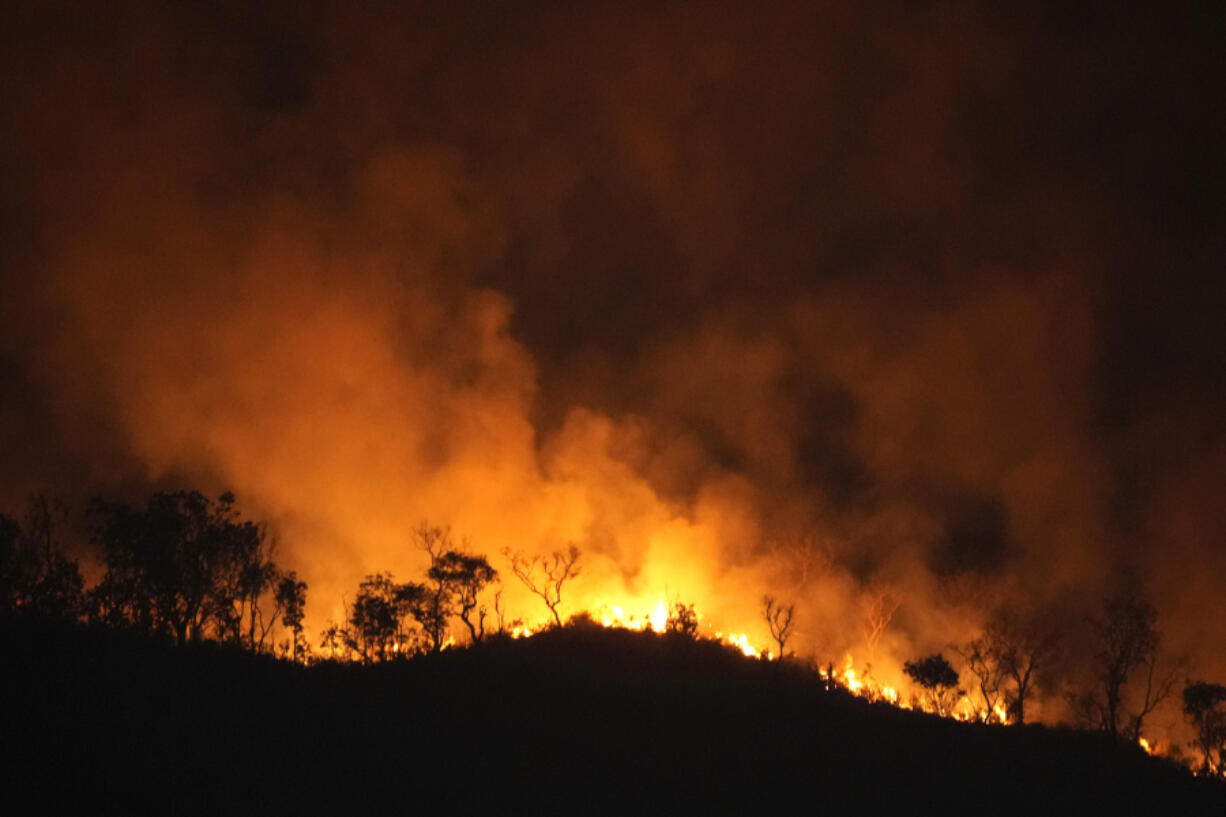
[{"x": 807, "y": 302}]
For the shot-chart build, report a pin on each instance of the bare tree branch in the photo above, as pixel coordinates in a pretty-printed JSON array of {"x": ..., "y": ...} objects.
[
  {"x": 555, "y": 569},
  {"x": 779, "y": 620}
]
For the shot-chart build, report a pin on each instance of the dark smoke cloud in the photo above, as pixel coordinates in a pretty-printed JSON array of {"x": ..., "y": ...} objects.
[{"x": 933, "y": 289}]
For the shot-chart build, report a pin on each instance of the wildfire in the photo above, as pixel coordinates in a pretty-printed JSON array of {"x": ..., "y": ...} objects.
[
  {"x": 859, "y": 682},
  {"x": 615, "y": 616},
  {"x": 656, "y": 621},
  {"x": 741, "y": 642},
  {"x": 659, "y": 617},
  {"x": 854, "y": 685}
]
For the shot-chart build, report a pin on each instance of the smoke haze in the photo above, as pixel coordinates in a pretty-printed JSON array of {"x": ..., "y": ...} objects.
[{"x": 804, "y": 301}]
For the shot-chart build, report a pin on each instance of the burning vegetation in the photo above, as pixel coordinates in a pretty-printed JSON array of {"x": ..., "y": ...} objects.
[
  {"x": 876, "y": 343},
  {"x": 189, "y": 569}
]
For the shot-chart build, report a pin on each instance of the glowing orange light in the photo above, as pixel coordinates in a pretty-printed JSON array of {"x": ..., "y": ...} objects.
[
  {"x": 858, "y": 682},
  {"x": 659, "y": 617},
  {"x": 741, "y": 642}
]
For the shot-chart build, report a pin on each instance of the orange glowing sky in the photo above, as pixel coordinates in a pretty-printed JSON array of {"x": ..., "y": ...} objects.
[{"x": 802, "y": 302}]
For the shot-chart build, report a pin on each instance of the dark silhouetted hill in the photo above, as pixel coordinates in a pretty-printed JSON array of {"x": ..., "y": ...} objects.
[{"x": 574, "y": 721}]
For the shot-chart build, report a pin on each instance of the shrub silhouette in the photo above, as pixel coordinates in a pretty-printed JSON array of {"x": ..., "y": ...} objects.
[
  {"x": 1203, "y": 704},
  {"x": 683, "y": 619},
  {"x": 377, "y": 619},
  {"x": 36, "y": 577},
  {"x": 291, "y": 599},
  {"x": 1007, "y": 660},
  {"x": 463, "y": 576},
  {"x": 779, "y": 621},
  {"x": 937, "y": 677},
  {"x": 184, "y": 567},
  {"x": 1128, "y": 640}
]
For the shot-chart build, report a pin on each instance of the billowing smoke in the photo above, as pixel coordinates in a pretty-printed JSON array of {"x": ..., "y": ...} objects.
[{"x": 806, "y": 302}]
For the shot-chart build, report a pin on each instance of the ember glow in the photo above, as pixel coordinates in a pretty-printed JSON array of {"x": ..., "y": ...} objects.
[{"x": 860, "y": 684}]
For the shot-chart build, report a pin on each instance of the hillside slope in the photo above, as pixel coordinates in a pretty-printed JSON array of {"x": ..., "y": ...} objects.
[{"x": 576, "y": 721}]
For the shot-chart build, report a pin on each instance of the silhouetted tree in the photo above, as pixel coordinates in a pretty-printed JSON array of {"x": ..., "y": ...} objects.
[
  {"x": 683, "y": 620},
  {"x": 291, "y": 599},
  {"x": 177, "y": 566},
  {"x": 432, "y": 604},
  {"x": 779, "y": 620},
  {"x": 36, "y": 577},
  {"x": 583, "y": 620},
  {"x": 937, "y": 677},
  {"x": 1019, "y": 648},
  {"x": 14, "y": 569},
  {"x": 880, "y": 601},
  {"x": 57, "y": 589},
  {"x": 1161, "y": 674},
  {"x": 337, "y": 640},
  {"x": 464, "y": 576},
  {"x": 377, "y": 621},
  {"x": 803, "y": 556},
  {"x": 500, "y": 613},
  {"x": 555, "y": 569},
  {"x": 984, "y": 665},
  {"x": 376, "y": 628},
  {"x": 1202, "y": 703},
  {"x": 248, "y": 585},
  {"x": 1128, "y": 639}
]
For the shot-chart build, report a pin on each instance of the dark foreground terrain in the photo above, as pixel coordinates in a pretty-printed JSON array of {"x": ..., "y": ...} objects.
[{"x": 576, "y": 721}]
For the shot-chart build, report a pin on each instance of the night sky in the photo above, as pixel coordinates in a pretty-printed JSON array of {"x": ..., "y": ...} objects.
[{"x": 933, "y": 290}]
